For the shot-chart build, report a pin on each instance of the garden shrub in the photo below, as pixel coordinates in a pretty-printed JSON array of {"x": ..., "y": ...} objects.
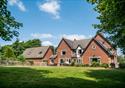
[
  {"x": 73, "y": 63},
  {"x": 104, "y": 65},
  {"x": 95, "y": 64},
  {"x": 79, "y": 65},
  {"x": 121, "y": 65},
  {"x": 31, "y": 62},
  {"x": 86, "y": 65},
  {"x": 112, "y": 65},
  {"x": 21, "y": 58}
]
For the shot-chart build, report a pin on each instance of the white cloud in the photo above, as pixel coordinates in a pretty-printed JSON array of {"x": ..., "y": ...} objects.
[
  {"x": 42, "y": 36},
  {"x": 18, "y": 3},
  {"x": 74, "y": 36},
  {"x": 46, "y": 43},
  {"x": 52, "y": 7}
]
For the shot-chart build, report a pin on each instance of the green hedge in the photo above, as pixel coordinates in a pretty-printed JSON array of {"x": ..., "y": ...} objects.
[
  {"x": 121, "y": 65},
  {"x": 95, "y": 64}
]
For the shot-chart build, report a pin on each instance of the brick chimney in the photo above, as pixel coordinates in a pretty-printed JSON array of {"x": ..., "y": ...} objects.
[{"x": 74, "y": 39}]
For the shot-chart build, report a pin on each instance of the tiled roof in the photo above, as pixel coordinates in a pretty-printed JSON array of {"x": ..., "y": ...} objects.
[
  {"x": 83, "y": 43},
  {"x": 74, "y": 44},
  {"x": 105, "y": 47},
  {"x": 36, "y": 52}
]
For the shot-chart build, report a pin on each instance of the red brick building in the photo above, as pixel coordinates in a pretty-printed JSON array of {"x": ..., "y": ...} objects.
[
  {"x": 38, "y": 55},
  {"x": 86, "y": 51},
  {"x": 100, "y": 50},
  {"x": 68, "y": 50}
]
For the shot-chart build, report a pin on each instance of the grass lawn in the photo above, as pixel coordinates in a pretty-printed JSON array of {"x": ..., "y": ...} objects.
[{"x": 61, "y": 77}]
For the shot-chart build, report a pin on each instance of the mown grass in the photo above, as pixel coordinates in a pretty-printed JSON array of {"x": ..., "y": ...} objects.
[{"x": 61, "y": 77}]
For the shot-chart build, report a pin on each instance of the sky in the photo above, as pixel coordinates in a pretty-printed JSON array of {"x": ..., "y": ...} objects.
[{"x": 50, "y": 20}]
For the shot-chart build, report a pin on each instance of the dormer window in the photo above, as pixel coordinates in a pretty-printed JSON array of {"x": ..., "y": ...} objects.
[
  {"x": 40, "y": 52},
  {"x": 80, "y": 51},
  {"x": 29, "y": 53}
]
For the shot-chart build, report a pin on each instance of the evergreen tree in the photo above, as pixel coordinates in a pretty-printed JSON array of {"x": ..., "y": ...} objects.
[{"x": 8, "y": 52}]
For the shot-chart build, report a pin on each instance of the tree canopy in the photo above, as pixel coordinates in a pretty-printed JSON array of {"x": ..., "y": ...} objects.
[
  {"x": 32, "y": 43},
  {"x": 8, "y": 24},
  {"x": 18, "y": 47},
  {"x": 8, "y": 52},
  {"x": 112, "y": 20}
]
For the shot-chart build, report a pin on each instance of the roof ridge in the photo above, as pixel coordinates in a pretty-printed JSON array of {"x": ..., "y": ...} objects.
[
  {"x": 68, "y": 39},
  {"x": 38, "y": 47}
]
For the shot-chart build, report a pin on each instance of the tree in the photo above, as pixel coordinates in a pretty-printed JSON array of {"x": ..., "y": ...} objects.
[
  {"x": 32, "y": 43},
  {"x": 8, "y": 52},
  {"x": 8, "y": 24},
  {"x": 18, "y": 47},
  {"x": 112, "y": 20},
  {"x": 21, "y": 58}
]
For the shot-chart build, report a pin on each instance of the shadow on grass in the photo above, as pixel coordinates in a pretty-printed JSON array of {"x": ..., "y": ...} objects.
[{"x": 17, "y": 77}]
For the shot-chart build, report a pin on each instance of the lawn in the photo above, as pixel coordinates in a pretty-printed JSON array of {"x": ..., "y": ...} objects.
[{"x": 61, "y": 77}]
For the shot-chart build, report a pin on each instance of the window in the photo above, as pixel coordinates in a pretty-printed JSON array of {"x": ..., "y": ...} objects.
[
  {"x": 61, "y": 61},
  {"x": 93, "y": 47},
  {"x": 69, "y": 61},
  {"x": 95, "y": 60},
  {"x": 63, "y": 52},
  {"x": 80, "y": 51},
  {"x": 79, "y": 61},
  {"x": 40, "y": 52},
  {"x": 52, "y": 60}
]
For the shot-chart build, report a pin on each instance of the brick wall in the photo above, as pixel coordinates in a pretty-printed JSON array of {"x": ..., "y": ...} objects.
[
  {"x": 98, "y": 51},
  {"x": 62, "y": 46},
  {"x": 48, "y": 54}
]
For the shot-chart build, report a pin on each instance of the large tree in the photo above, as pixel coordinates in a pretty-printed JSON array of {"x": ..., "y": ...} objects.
[
  {"x": 112, "y": 20},
  {"x": 8, "y": 24}
]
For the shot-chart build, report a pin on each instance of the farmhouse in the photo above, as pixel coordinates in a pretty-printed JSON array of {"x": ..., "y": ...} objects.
[
  {"x": 86, "y": 51},
  {"x": 38, "y": 55},
  {"x": 67, "y": 50},
  {"x": 99, "y": 50}
]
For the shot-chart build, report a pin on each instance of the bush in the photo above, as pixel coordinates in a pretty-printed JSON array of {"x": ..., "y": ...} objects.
[
  {"x": 121, "y": 65},
  {"x": 95, "y": 64},
  {"x": 86, "y": 65},
  {"x": 31, "y": 62},
  {"x": 105, "y": 65},
  {"x": 112, "y": 65},
  {"x": 79, "y": 65},
  {"x": 21, "y": 58},
  {"x": 72, "y": 63}
]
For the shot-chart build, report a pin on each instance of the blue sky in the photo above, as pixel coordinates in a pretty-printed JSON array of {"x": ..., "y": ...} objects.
[{"x": 50, "y": 20}]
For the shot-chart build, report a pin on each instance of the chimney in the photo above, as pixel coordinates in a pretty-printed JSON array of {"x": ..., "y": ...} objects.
[{"x": 74, "y": 39}]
